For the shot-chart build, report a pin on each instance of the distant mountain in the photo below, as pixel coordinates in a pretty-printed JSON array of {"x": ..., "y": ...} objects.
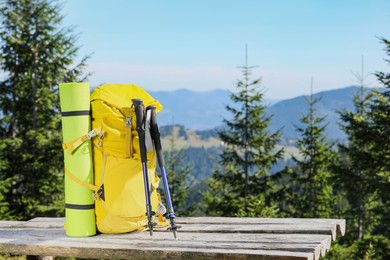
[
  {"x": 206, "y": 110},
  {"x": 287, "y": 113},
  {"x": 195, "y": 110}
]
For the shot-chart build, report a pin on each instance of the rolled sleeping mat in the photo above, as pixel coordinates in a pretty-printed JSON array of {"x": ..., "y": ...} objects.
[{"x": 76, "y": 122}]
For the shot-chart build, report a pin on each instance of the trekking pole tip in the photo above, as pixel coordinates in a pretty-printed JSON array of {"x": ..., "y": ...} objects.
[{"x": 150, "y": 228}]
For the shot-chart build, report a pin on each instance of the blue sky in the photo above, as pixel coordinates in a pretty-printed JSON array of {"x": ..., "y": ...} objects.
[{"x": 199, "y": 45}]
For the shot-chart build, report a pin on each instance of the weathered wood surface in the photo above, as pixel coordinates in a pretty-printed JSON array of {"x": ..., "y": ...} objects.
[{"x": 199, "y": 238}]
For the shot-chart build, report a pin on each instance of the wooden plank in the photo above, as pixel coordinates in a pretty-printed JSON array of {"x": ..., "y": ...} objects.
[
  {"x": 315, "y": 244},
  {"x": 35, "y": 223},
  {"x": 208, "y": 238},
  {"x": 54, "y": 242},
  {"x": 11, "y": 224},
  {"x": 339, "y": 223},
  {"x": 169, "y": 253},
  {"x": 325, "y": 229},
  {"x": 305, "y": 244},
  {"x": 231, "y": 225}
]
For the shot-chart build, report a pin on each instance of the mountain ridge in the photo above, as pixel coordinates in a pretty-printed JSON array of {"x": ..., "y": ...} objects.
[{"x": 206, "y": 110}]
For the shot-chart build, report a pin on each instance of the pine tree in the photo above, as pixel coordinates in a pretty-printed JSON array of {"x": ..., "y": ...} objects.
[
  {"x": 380, "y": 145},
  {"x": 364, "y": 171},
  {"x": 356, "y": 172},
  {"x": 313, "y": 178},
  {"x": 36, "y": 55},
  {"x": 249, "y": 151}
]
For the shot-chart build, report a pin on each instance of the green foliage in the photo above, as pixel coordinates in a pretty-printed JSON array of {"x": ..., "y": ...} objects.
[
  {"x": 195, "y": 203},
  {"x": 314, "y": 191},
  {"x": 372, "y": 248},
  {"x": 341, "y": 251},
  {"x": 363, "y": 173},
  {"x": 249, "y": 152},
  {"x": 256, "y": 207},
  {"x": 202, "y": 161},
  {"x": 379, "y": 131},
  {"x": 306, "y": 189},
  {"x": 36, "y": 55},
  {"x": 365, "y": 162},
  {"x": 5, "y": 212},
  {"x": 356, "y": 163}
]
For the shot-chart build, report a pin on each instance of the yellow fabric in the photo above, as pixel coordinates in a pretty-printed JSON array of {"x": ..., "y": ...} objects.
[
  {"x": 116, "y": 159},
  {"x": 69, "y": 147},
  {"x": 80, "y": 181}
]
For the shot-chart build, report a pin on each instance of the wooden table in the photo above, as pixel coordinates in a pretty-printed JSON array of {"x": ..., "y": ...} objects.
[{"x": 198, "y": 238}]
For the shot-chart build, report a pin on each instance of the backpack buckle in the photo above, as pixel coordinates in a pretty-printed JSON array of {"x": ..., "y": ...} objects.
[{"x": 91, "y": 134}]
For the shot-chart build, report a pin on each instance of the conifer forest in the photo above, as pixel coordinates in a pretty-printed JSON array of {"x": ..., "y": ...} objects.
[{"x": 326, "y": 179}]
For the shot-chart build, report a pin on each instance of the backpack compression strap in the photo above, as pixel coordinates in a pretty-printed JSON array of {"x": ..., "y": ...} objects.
[
  {"x": 98, "y": 192},
  {"x": 81, "y": 182},
  {"x": 69, "y": 147}
]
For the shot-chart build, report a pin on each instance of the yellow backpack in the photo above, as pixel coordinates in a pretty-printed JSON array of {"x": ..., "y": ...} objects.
[{"x": 119, "y": 187}]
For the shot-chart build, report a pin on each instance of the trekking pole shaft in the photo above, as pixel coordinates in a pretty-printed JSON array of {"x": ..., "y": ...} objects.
[
  {"x": 160, "y": 158},
  {"x": 139, "y": 113},
  {"x": 166, "y": 189}
]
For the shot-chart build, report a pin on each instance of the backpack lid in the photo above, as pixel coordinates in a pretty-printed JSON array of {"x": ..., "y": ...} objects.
[{"x": 120, "y": 95}]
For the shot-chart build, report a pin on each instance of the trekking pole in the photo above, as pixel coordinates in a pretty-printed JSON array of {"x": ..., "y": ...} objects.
[
  {"x": 155, "y": 133},
  {"x": 140, "y": 127}
]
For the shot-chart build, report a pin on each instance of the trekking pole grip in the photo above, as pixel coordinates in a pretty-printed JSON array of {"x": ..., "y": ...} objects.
[
  {"x": 139, "y": 116},
  {"x": 155, "y": 132},
  {"x": 139, "y": 113}
]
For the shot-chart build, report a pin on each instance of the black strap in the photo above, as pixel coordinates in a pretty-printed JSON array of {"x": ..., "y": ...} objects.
[
  {"x": 76, "y": 113},
  {"x": 101, "y": 192},
  {"x": 77, "y": 206}
]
